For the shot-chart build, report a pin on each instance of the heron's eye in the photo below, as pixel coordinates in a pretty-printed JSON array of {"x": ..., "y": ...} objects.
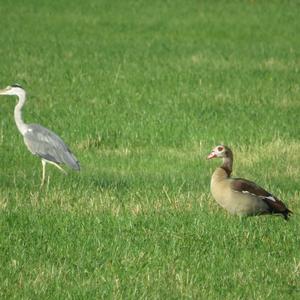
[{"x": 220, "y": 149}]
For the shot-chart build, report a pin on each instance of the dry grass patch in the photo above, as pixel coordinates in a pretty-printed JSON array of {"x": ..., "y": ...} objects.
[{"x": 277, "y": 150}]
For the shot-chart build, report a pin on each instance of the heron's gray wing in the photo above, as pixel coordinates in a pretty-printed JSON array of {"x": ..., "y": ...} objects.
[{"x": 44, "y": 143}]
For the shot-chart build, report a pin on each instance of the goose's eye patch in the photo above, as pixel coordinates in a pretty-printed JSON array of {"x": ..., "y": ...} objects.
[{"x": 220, "y": 149}]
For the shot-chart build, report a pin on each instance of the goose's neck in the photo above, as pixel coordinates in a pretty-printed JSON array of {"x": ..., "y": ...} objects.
[
  {"x": 227, "y": 164},
  {"x": 18, "y": 113},
  {"x": 224, "y": 171}
]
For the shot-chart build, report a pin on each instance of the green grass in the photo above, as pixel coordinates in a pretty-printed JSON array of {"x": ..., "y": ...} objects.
[{"x": 142, "y": 91}]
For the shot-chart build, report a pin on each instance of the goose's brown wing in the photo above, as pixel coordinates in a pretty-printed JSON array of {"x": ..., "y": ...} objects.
[{"x": 248, "y": 187}]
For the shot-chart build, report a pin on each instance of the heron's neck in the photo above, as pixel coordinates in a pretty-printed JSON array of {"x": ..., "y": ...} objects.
[{"x": 18, "y": 113}]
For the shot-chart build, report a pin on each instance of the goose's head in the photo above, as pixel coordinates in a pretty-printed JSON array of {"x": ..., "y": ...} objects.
[{"x": 221, "y": 151}]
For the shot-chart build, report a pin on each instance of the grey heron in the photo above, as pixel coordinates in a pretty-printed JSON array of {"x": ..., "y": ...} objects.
[{"x": 39, "y": 140}]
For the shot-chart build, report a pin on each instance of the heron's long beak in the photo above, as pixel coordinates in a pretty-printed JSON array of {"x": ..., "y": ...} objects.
[{"x": 4, "y": 91}]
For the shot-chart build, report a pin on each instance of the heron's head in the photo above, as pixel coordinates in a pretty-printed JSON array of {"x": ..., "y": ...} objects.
[{"x": 14, "y": 89}]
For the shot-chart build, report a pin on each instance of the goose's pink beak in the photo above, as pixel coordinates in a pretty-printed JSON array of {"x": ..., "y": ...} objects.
[{"x": 212, "y": 155}]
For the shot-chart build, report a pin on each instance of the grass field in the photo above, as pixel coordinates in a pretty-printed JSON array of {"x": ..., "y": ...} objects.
[{"x": 142, "y": 91}]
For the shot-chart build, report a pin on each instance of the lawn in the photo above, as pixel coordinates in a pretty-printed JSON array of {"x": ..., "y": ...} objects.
[{"x": 142, "y": 91}]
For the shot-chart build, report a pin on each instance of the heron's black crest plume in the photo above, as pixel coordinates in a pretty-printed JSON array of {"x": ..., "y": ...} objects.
[{"x": 16, "y": 85}]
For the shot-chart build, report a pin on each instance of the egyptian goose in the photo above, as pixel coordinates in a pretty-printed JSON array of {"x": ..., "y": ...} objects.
[{"x": 240, "y": 196}]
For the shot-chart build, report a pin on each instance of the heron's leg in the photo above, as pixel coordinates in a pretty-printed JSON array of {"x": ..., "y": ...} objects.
[
  {"x": 60, "y": 168},
  {"x": 44, "y": 172}
]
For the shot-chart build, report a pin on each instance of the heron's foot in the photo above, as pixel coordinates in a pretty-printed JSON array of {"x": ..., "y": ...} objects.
[
  {"x": 45, "y": 183},
  {"x": 42, "y": 184}
]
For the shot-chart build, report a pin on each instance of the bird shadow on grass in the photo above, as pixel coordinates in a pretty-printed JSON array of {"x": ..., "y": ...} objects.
[{"x": 111, "y": 183}]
